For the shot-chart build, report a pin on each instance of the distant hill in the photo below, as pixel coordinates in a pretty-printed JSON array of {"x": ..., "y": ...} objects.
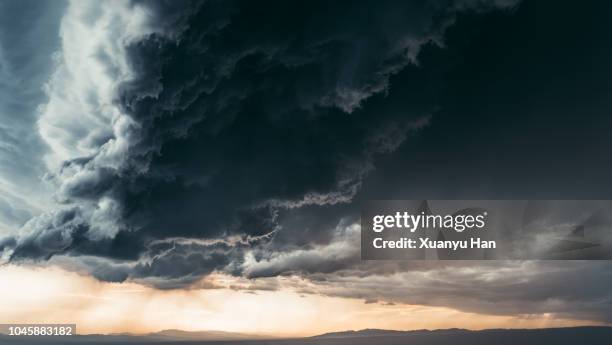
[
  {"x": 373, "y": 332},
  {"x": 203, "y": 335},
  {"x": 456, "y": 336},
  {"x": 557, "y": 336}
]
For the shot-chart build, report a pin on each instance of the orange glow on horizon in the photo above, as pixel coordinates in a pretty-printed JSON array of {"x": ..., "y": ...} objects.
[{"x": 52, "y": 295}]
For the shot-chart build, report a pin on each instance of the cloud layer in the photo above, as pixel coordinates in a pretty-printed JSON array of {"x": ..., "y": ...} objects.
[
  {"x": 176, "y": 120},
  {"x": 165, "y": 141}
]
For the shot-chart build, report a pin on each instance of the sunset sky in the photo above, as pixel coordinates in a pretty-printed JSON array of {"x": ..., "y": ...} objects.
[
  {"x": 55, "y": 296},
  {"x": 201, "y": 165}
]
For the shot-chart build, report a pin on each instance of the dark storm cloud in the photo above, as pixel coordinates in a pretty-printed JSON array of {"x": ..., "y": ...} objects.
[
  {"x": 7, "y": 242},
  {"x": 239, "y": 111},
  {"x": 259, "y": 127},
  {"x": 578, "y": 289},
  {"x": 523, "y": 111},
  {"x": 240, "y": 121},
  {"x": 175, "y": 265},
  {"x": 250, "y": 108},
  {"x": 50, "y": 233}
]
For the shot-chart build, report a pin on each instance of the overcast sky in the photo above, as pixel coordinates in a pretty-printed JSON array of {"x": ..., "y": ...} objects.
[{"x": 178, "y": 145}]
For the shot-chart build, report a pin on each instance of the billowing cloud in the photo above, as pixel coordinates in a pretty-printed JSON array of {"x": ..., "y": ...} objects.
[
  {"x": 177, "y": 139},
  {"x": 576, "y": 289},
  {"x": 175, "y": 120}
]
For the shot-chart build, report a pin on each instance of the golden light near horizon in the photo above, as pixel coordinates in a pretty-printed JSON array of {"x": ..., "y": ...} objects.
[{"x": 53, "y": 295}]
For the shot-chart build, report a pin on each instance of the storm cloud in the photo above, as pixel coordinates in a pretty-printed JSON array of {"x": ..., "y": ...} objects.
[
  {"x": 175, "y": 139},
  {"x": 180, "y": 120}
]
